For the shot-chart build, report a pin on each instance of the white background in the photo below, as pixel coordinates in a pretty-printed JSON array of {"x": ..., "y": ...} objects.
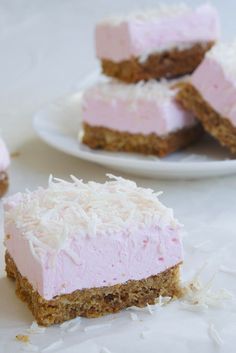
[{"x": 46, "y": 48}]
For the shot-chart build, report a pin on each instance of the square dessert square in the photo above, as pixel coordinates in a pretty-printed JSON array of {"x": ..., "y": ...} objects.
[
  {"x": 89, "y": 249},
  {"x": 167, "y": 42},
  {"x": 142, "y": 118},
  {"x": 211, "y": 94}
]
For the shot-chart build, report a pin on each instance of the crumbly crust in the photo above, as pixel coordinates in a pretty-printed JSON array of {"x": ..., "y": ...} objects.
[
  {"x": 167, "y": 64},
  {"x": 94, "y": 302},
  {"x": 111, "y": 140},
  {"x": 218, "y": 126},
  {"x": 4, "y": 183}
]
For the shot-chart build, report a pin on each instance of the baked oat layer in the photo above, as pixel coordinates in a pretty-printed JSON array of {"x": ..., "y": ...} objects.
[
  {"x": 167, "y": 64},
  {"x": 112, "y": 140},
  {"x": 94, "y": 302},
  {"x": 218, "y": 126},
  {"x": 4, "y": 183}
]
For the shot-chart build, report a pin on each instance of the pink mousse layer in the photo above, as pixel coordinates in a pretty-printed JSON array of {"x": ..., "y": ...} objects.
[
  {"x": 4, "y": 156},
  {"x": 134, "y": 37},
  {"x": 103, "y": 261},
  {"x": 217, "y": 87},
  {"x": 135, "y": 115}
]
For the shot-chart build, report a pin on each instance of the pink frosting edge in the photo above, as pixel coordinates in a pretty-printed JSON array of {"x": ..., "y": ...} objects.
[
  {"x": 4, "y": 156},
  {"x": 103, "y": 261},
  {"x": 130, "y": 39},
  {"x": 149, "y": 116},
  {"x": 216, "y": 87}
]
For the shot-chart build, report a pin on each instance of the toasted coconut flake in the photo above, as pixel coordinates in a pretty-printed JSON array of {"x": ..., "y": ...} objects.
[{"x": 214, "y": 334}]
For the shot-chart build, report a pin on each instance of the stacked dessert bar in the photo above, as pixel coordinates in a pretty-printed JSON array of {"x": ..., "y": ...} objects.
[{"x": 136, "y": 109}]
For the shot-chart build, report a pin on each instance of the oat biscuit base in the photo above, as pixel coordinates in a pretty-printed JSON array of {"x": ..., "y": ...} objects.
[
  {"x": 218, "y": 126},
  {"x": 94, "y": 302},
  {"x": 167, "y": 64},
  {"x": 4, "y": 183},
  {"x": 111, "y": 140}
]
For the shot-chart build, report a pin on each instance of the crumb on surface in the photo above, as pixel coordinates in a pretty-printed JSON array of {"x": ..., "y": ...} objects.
[
  {"x": 22, "y": 338},
  {"x": 15, "y": 154}
]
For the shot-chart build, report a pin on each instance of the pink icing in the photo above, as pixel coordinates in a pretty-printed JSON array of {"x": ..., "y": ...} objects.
[
  {"x": 134, "y": 37},
  {"x": 4, "y": 156},
  {"x": 102, "y": 261},
  {"x": 216, "y": 87},
  {"x": 147, "y": 116}
]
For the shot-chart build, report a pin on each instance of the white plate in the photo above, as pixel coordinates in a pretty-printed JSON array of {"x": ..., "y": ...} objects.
[{"x": 58, "y": 125}]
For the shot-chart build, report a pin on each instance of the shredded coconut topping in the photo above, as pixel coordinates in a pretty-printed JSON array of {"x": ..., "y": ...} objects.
[
  {"x": 161, "y": 11},
  {"x": 151, "y": 90},
  {"x": 224, "y": 54},
  {"x": 214, "y": 334},
  {"x": 50, "y": 218}
]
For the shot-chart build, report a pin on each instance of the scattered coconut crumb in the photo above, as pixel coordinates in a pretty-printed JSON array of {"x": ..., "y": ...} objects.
[
  {"x": 74, "y": 327},
  {"x": 96, "y": 327},
  {"x": 202, "y": 244},
  {"x": 53, "y": 346},
  {"x": 35, "y": 328},
  {"x": 202, "y": 296},
  {"x": 30, "y": 348},
  {"x": 163, "y": 300},
  {"x": 22, "y": 338},
  {"x": 145, "y": 333},
  {"x": 214, "y": 334},
  {"x": 228, "y": 270},
  {"x": 134, "y": 317},
  {"x": 105, "y": 350},
  {"x": 71, "y": 325},
  {"x": 150, "y": 309},
  {"x": 15, "y": 154}
]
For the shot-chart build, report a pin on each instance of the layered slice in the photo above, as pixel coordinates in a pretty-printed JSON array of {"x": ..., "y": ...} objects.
[
  {"x": 211, "y": 94},
  {"x": 4, "y": 164},
  {"x": 167, "y": 42},
  {"x": 143, "y": 118},
  {"x": 89, "y": 249}
]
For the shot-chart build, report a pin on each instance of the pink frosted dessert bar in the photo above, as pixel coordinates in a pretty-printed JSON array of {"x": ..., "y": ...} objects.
[
  {"x": 4, "y": 164},
  {"x": 142, "y": 117},
  {"x": 87, "y": 249},
  {"x": 167, "y": 42},
  {"x": 211, "y": 94}
]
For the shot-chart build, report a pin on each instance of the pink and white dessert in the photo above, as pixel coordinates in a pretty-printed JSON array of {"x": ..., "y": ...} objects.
[
  {"x": 211, "y": 94},
  {"x": 142, "y": 117},
  {"x": 166, "y": 42},
  {"x": 88, "y": 249},
  {"x": 4, "y": 164}
]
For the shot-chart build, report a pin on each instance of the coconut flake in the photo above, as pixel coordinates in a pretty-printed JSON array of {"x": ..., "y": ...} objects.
[
  {"x": 51, "y": 347},
  {"x": 30, "y": 348},
  {"x": 35, "y": 328},
  {"x": 163, "y": 300},
  {"x": 134, "y": 317},
  {"x": 203, "y": 296},
  {"x": 145, "y": 333},
  {"x": 105, "y": 350},
  {"x": 71, "y": 323},
  {"x": 228, "y": 270},
  {"x": 202, "y": 244},
  {"x": 214, "y": 334},
  {"x": 96, "y": 327}
]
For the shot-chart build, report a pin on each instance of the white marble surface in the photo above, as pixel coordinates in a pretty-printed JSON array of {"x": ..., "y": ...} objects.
[{"x": 46, "y": 48}]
